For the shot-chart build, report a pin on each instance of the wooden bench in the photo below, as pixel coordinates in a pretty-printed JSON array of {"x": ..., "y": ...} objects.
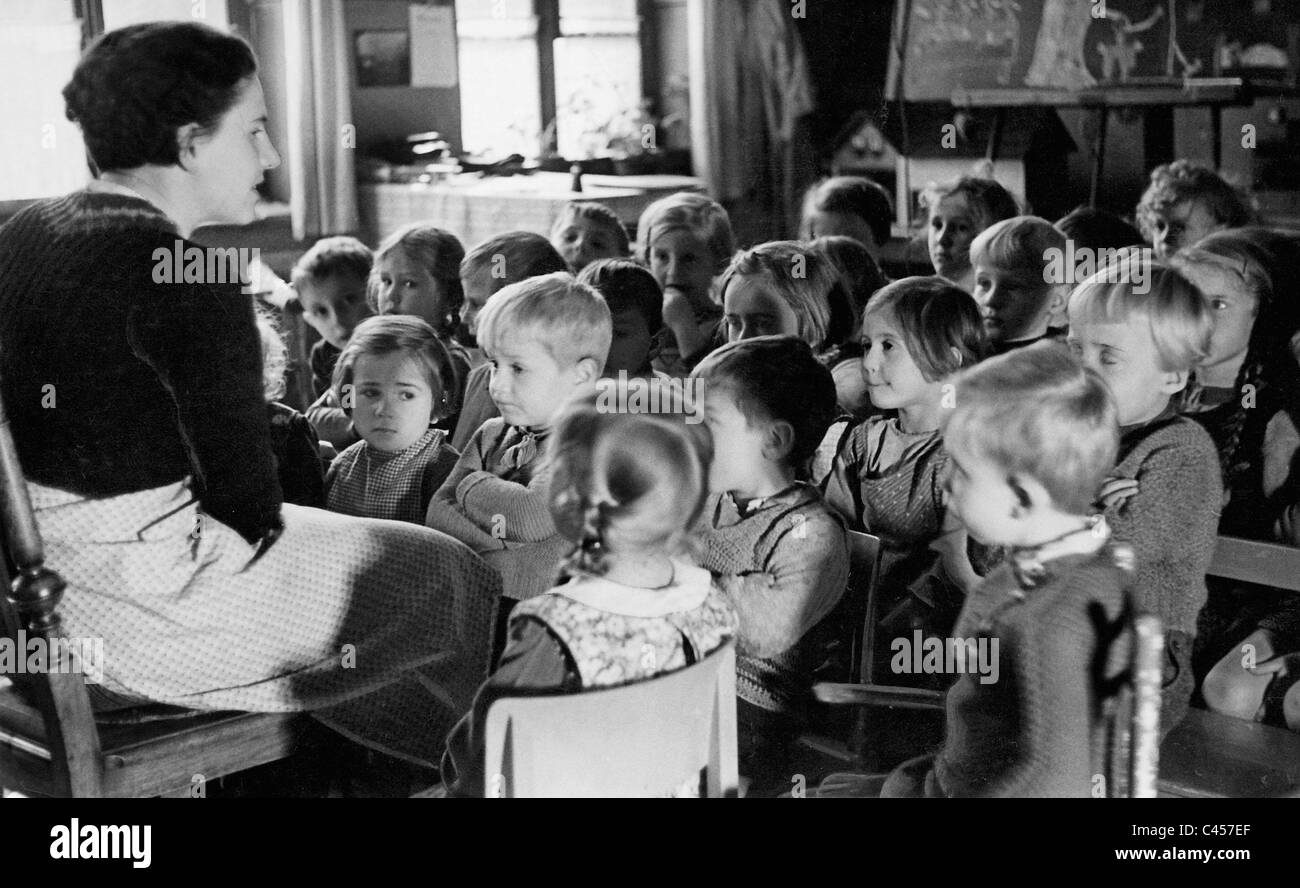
[{"x": 1217, "y": 756}]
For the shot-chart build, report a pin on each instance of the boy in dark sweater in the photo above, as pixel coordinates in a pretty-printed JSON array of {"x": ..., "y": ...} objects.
[{"x": 1032, "y": 435}]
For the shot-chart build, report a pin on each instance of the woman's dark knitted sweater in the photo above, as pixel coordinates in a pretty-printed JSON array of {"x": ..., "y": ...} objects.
[{"x": 116, "y": 383}]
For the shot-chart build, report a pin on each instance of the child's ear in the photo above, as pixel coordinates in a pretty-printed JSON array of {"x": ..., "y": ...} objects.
[
  {"x": 1030, "y": 495},
  {"x": 1056, "y": 307},
  {"x": 588, "y": 370},
  {"x": 1174, "y": 382},
  {"x": 779, "y": 441}
]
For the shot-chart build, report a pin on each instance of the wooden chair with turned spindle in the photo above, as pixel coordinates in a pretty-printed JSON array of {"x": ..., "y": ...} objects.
[{"x": 51, "y": 742}]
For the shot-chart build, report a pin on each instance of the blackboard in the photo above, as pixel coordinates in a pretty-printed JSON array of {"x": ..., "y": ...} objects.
[{"x": 944, "y": 46}]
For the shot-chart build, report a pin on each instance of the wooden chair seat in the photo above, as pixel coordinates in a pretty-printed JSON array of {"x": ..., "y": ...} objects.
[
  {"x": 1210, "y": 755},
  {"x": 160, "y": 751}
]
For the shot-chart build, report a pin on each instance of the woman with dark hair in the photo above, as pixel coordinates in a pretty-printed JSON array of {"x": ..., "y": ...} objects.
[{"x": 136, "y": 405}]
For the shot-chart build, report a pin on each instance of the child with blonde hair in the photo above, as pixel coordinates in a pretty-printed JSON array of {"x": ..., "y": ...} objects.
[
  {"x": 585, "y": 231},
  {"x": 546, "y": 339},
  {"x": 957, "y": 212},
  {"x": 1031, "y": 436},
  {"x": 786, "y": 288},
  {"x": 1010, "y": 261},
  {"x": 1143, "y": 327},
  {"x": 626, "y": 489},
  {"x": 685, "y": 240},
  {"x": 497, "y": 262},
  {"x": 417, "y": 272},
  {"x": 390, "y": 380},
  {"x": 779, "y": 553}
]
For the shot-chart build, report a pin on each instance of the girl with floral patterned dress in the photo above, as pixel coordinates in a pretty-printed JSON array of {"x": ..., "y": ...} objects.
[{"x": 625, "y": 489}]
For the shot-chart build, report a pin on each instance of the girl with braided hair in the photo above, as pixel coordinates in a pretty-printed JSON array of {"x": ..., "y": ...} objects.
[
  {"x": 1247, "y": 395},
  {"x": 625, "y": 490}
]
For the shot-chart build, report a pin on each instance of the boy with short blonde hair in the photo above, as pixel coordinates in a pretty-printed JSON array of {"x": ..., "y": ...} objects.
[
  {"x": 546, "y": 339},
  {"x": 1032, "y": 433},
  {"x": 1143, "y": 327}
]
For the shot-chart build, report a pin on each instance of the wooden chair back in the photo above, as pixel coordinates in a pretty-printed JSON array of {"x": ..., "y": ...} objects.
[
  {"x": 639, "y": 740},
  {"x": 29, "y": 606},
  {"x": 864, "y": 571},
  {"x": 1128, "y": 744}
]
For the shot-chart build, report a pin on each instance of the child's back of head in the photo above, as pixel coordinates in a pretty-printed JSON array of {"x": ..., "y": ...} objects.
[
  {"x": 500, "y": 261},
  {"x": 625, "y": 483},
  {"x": 1038, "y": 412},
  {"x": 775, "y": 379},
  {"x": 859, "y": 272},
  {"x": 1091, "y": 228},
  {"x": 849, "y": 206},
  {"x": 1011, "y": 259},
  {"x": 636, "y": 310},
  {"x": 586, "y": 231}
]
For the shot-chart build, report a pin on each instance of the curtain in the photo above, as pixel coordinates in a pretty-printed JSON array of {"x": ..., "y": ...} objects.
[
  {"x": 321, "y": 138},
  {"x": 750, "y": 92}
]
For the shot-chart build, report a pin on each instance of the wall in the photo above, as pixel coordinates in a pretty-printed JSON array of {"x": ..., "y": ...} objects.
[{"x": 394, "y": 112}]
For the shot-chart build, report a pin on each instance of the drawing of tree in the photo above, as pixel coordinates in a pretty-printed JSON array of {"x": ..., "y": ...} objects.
[{"x": 1058, "y": 52}]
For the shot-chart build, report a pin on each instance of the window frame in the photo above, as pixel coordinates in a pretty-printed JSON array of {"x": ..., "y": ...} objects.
[{"x": 547, "y": 15}]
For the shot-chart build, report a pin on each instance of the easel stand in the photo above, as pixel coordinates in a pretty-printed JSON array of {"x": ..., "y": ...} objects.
[{"x": 1214, "y": 93}]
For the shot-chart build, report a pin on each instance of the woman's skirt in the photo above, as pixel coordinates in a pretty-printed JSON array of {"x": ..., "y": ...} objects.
[{"x": 381, "y": 629}]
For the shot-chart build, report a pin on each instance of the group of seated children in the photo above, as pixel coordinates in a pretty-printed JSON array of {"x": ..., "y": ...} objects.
[{"x": 1043, "y": 445}]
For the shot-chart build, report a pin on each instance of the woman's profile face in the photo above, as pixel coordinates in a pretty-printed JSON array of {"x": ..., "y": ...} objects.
[{"x": 230, "y": 161}]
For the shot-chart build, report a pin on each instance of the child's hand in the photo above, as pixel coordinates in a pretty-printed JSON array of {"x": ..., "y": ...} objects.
[
  {"x": 678, "y": 310},
  {"x": 1116, "y": 492}
]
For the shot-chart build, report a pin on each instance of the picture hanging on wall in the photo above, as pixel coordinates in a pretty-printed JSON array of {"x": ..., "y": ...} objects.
[{"x": 383, "y": 58}]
